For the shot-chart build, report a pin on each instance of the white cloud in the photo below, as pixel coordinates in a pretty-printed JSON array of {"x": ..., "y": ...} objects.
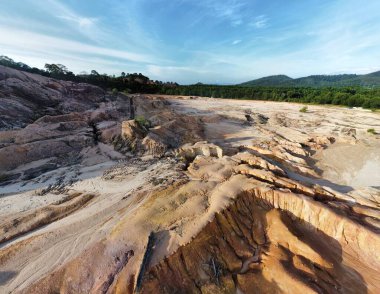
[
  {"x": 35, "y": 42},
  {"x": 87, "y": 26},
  {"x": 236, "y": 42},
  {"x": 260, "y": 22},
  {"x": 180, "y": 74},
  {"x": 83, "y": 22},
  {"x": 227, "y": 10},
  {"x": 236, "y": 22},
  {"x": 65, "y": 13}
]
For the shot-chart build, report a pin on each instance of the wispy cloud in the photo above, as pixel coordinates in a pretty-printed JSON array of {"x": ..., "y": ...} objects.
[
  {"x": 235, "y": 42},
  {"x": 183, "y": 74},
  {"x": 42, "y": 43},
  {"x": 236, "y": 22},
  {"x": 260, "y": 22},
  {"x": 230, "y": 11},
  {"x": 62, "y": 11},
  {"x": 82, "y": 22}
]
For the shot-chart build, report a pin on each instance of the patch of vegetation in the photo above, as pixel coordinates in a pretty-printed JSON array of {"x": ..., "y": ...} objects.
[
  {"x": 303, "y": 109},
  {"x": 344, "y": 80},
  {"x": 115, "y": 91},
  {"x": 372, "y": 131},
  {"x": 347, "y": 96},
  {"x": 142, "y": 122},
  {"x": 4, "y": 178}
]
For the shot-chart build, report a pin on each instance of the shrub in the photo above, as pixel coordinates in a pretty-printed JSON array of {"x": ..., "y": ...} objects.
[
  {"x": 4, "y": 178},
  {"x": 114, "y": 91},
  {"x": 371, "y": 131},
  {"x": 142, "y": 121},
  {"x": 303, "y": 109}
]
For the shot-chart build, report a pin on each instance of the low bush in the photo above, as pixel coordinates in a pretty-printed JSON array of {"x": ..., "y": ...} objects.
[
  {"x": 371, "y": 131},
  {"x": 303, "y": 109},
  {"x": 143, "y": 122}
]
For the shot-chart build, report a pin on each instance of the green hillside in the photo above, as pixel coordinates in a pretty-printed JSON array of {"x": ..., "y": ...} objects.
[{"x": 345, "y": 80}]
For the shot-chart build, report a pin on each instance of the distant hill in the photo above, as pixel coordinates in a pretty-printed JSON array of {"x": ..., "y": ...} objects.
[
  {"x": 269, "y": 81},
  {"x": 368, "y": 80}
]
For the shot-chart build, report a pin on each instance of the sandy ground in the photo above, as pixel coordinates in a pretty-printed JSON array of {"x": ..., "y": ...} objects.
[
  {"x": 351, "y": 160},
  {"x": 119, "y": 185},
  {"x": 56, "y": 243}
]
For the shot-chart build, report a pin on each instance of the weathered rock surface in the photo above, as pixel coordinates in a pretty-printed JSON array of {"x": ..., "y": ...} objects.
[
  {"x": 189, "y": 151},
  {"x": 25, "y": 97},
  {"x": 43, "y": 118},
  {"x": 166, "y": 129}
]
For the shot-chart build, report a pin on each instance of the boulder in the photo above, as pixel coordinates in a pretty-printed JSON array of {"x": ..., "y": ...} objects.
[{"x": 189, "y": 151}]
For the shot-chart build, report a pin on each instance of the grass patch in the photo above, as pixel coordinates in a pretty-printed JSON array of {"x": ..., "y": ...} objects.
[
  {"x": 143, "y": 122},
  {"x": 303, "y": 109},
  {"x": 115, "y": 91},
  {"x": 371, "y": 131}
]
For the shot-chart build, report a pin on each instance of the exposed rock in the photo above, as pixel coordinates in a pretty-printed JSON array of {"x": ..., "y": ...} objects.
[
  {"x": 131, "y": 130},
  {"x": 51, "y": 119},
  {"x": 189, "y": 151},
  {"x": 154, "y": 145},
  {"x": 25, "y": 97},
  {"x": 349, "y": 132}
]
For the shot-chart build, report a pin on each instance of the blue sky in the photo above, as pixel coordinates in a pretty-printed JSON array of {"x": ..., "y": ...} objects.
[{"x": 188, "y": 41}]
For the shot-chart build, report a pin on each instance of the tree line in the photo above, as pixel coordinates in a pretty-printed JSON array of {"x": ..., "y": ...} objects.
[
  {"x": 126, "y": 82},
  {"x": 138, "y": 83},
  {"x": 348, "y": 96}
]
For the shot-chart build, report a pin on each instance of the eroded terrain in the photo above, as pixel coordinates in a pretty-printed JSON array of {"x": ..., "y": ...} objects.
[{"x": 159, "y": 194}]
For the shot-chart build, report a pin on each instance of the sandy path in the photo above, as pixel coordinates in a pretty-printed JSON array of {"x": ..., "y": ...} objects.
[{"x": 55, "y": 244}]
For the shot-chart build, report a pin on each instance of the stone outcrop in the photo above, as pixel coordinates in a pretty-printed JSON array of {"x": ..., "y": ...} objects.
[
  {"x": 165, "y": 130},
  {"x": 43, "y": 118},
  {"x": 25, "y": 97},
  {"x": 190, "y": 151}
]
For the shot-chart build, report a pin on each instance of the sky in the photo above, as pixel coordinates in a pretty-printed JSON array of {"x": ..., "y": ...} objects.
[{"x": 189, "y": 41}]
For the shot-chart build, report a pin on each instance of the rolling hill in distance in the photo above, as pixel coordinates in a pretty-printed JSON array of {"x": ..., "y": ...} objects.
[{"x": 342, "y": 80}]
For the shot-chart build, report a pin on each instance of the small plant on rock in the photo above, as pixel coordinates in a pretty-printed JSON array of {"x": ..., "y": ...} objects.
[
  {"x": 371, "y": 131},
  {"x": 303, "y": 109},
  {"x": 115, "y": 91},
  {"x": 143, "y": 122}
]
